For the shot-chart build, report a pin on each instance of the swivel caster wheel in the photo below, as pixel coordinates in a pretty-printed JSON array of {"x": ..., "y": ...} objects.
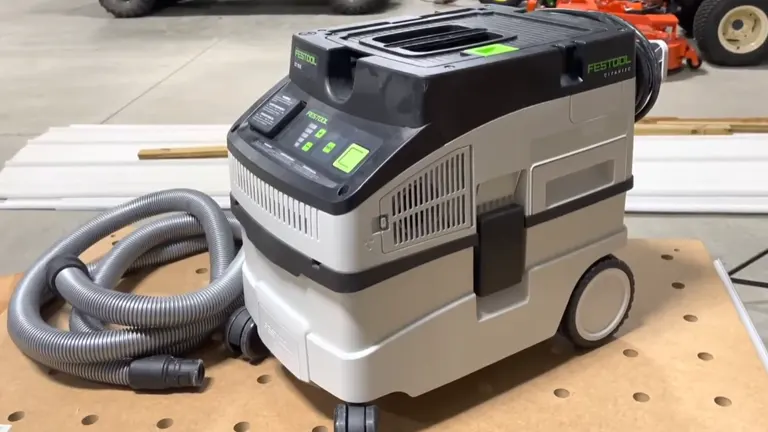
[
  {"x": 241, "y": 337},
  {"x": 356, "y": 418}
]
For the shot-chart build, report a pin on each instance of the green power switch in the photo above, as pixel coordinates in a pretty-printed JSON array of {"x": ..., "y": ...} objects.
[
  {"x": 320, "y": 133},
  {"x": 307, "y": 145},
  {"x": 329, "y": 147},
  {"x": 351, "y": 158}
]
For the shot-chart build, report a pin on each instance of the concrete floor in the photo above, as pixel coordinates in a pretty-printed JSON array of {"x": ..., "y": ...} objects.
[{"x": 67, "y": 61}]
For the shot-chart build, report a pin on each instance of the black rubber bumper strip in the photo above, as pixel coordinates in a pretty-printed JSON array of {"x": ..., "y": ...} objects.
[{"x": 296, "y": 263}]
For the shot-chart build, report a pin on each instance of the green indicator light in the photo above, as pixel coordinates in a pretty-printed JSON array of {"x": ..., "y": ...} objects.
[
  {"x": 490, "y": 50},
  {"x": 320, "y": 133},
  {"x": 307, "y": 145},
  {"x": 329, "y": 147},
  {"x": 352, "y": 156}
]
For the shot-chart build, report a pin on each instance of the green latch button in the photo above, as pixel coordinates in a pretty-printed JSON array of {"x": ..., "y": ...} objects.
[
  {"x": 307, "y": 145},
  {"x": 329, "y": 147},
  {"x": 351, "y": 158},
  {"x": 320, "y": 133},
  {"x": 490, "y": 50}
]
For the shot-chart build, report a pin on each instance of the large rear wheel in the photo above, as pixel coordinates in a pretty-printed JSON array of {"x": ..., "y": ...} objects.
[
  {"x": 732, "y": 32},
  {"x": 600, "y": 303},
  {"x": 358, "y": 7}
]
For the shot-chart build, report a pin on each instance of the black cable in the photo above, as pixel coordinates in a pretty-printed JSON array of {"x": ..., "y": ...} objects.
[
  {"x": 745, "y": 264},
  {"x": 647, "y": 73}
]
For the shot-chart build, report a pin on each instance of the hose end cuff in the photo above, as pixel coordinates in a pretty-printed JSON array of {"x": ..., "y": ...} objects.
[
  {"x": 162, "y": 372},
  {"x": 59, "y": 263}
]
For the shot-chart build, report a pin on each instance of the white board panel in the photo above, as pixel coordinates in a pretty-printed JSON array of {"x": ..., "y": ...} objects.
[{"x": 94, "y": 167}]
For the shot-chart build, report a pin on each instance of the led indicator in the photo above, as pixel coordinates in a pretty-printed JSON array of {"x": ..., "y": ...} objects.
[
  {"x": 307, "y": 145},
  {"x": 329, "y": 147},
  {"x": 351, "y": 158},
  {"x": 320, "y": 133}
]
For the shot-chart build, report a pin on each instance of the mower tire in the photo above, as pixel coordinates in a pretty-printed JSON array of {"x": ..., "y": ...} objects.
[
  {"x": 129, "y": 8},
  {"x": 357, "y": 7},
  {"x": 732, "y": 32}
]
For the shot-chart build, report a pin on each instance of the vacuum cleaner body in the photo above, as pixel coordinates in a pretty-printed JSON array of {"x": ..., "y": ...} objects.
[{"x": 425, "y": 196}]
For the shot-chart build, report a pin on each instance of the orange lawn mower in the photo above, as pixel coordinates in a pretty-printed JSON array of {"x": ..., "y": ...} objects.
[{"x": 652, "y": 20}]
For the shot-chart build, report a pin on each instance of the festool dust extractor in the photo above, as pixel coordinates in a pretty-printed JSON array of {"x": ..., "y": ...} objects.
[
  {"x": 425, "y": 196},
  {"x": 419, "y": 198}
]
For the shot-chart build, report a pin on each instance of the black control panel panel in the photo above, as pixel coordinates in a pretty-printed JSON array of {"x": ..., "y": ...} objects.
[{"x": 319, "y": 144}]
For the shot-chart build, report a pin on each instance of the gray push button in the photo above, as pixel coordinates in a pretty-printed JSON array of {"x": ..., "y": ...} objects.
[{"x": 275, "y": 113}]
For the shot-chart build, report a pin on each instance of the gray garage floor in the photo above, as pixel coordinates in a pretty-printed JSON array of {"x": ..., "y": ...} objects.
[{"x": 66, "y": 61}]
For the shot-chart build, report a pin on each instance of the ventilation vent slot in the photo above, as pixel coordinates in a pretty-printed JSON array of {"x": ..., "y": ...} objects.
[
  {"x": 435, "y": 202},
  {"x": 274, "y": 203},
  {"x": 435, "y": 39}
]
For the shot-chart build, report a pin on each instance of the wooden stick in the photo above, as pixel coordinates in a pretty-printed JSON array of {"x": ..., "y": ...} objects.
[
  {"x": 209, "y": 152},
  {"x": 681, "y": 129}
]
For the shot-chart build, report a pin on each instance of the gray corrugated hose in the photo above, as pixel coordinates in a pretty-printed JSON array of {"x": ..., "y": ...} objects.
[{"x": 156, "y": 328}]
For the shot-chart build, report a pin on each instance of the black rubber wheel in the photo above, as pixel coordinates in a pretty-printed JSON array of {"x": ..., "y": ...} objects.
[
  {"x": 129, "y": 8},
  {"x": 358, "y": 7},
  {"x": 356, "y": 418},
  {"x": 692, "y": 65},
  {"x": 706, "y": 25},
  {"x": 571, "y": 326},
  {"x": 241, "y": 337}
]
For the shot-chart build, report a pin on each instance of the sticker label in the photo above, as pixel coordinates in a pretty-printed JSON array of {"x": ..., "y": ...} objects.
[{"x": 490, "y": 50}]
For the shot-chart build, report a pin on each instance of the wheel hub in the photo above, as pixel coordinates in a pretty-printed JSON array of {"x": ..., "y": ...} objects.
[
  {"x": 603, "y": 304},
  {"x": 743, "y": 29}
]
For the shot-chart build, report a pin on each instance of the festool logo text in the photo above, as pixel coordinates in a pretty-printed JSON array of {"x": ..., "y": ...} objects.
[
  {"x": 317, "y": 117},
  {"x": 613, "y": 65},
  {"x": 305, "y": 57}
]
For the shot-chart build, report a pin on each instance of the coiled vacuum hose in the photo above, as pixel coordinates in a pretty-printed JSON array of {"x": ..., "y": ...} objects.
[{"x": 140, "y": 355}]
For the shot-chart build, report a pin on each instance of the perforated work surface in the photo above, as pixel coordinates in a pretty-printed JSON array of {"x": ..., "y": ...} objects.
[{"x": 683, "y": 363}]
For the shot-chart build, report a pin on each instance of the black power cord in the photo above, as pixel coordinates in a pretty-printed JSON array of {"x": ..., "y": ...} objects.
[
  {"x": 745, "y": 264},
  {"x": 647, "y": 73}
]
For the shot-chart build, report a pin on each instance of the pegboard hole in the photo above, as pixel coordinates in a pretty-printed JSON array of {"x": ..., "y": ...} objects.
[
  {"x": 676, "y": 250},
  {"x": 201, "y": 270},
  {"x": 562, "y": 393},
  {"x": 115, "y": 242},
  {"x": 89, "y": 420},
  {"x": 165, "y": 423},
  {"x": 319, "y": 429},
  {"x": 723, "y": 401},
  {"x": 641, "y": 397},
  {"x": 16, "y": 416},
  {"x": 690, "y": 318},
  {"x": 705, "y": 356},
  {"x": 630, "y": 353},
  {"x": 264, "y": 379},
  {"x": 667, "y": 257},
  {"x": 678, "y": 285},
  {"x": 242, "y": 427}
]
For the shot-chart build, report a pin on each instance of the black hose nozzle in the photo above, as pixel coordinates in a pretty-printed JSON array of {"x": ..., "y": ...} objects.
[{"x": 163, "y": 372}]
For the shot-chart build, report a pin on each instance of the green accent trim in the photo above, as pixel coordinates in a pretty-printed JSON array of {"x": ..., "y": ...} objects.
[{"x": 490, "y": 50}]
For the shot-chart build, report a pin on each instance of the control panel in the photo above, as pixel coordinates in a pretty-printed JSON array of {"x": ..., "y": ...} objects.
[{"x": 322, "y": 142}]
